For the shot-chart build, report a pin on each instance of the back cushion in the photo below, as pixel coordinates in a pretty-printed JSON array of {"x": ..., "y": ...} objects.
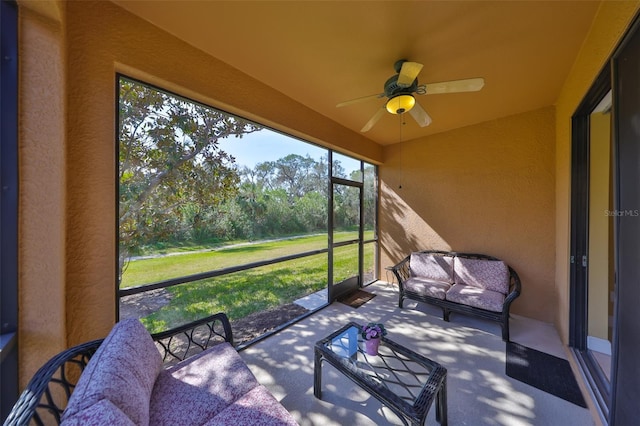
[
  {"x": 432, "y": 266},
  {"x": 123, "y": 371},
  {"x": 487, "y": 274}
]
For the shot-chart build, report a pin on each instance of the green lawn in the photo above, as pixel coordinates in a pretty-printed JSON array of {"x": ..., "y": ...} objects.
[
  {"x": 240, "y": 293},
  {"x": 146, "y": 271}
]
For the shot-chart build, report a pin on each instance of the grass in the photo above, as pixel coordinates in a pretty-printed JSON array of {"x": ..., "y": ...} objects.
[
  {"x": 241, "y": 293},
  {"x": 145, "y": 271}
]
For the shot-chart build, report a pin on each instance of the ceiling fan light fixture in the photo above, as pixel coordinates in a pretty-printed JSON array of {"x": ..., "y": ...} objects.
[{"x": 400, "y": 104}]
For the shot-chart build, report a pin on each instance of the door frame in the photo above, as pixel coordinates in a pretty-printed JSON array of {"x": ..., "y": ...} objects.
[
  {"x": 625, "y": 391},
  {"x": 579, "y": 252},
  {"x": 336, "y": 290},
  {"x": 616, "y": 399}
]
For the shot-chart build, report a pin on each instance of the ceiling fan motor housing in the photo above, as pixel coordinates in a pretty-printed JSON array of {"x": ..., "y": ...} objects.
[{"x": 391, "y": 87}]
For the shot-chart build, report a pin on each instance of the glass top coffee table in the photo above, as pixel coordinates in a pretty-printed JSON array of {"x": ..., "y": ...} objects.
[{"x": 403, "y": 380}]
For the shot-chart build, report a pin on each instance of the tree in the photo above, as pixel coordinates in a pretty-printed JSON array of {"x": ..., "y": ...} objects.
[
  {"x": 294, "y": 174},
  {"x": 169, "y": 159}
]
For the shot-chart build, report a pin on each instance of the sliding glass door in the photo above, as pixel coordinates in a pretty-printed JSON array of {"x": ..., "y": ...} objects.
[
  {"x": 592, "y": 253},
  {"x": 605, "y": 235}
]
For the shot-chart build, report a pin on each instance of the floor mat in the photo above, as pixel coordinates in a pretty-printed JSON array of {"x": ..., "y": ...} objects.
[
  {"x": 356, "y": 298},
  {"x": 543, "y": 371}
]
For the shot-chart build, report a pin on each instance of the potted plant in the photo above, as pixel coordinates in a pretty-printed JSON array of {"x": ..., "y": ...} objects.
[{"x": 372, "y": 333}]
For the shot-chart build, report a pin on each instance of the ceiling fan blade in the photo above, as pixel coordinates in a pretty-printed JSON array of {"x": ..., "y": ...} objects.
[
  {"x": 454, "y": 86},
  {"x": 408, "y": 73},
  {"x": 420, "y": 115},
  {"x": 362, "y": 99},
  {"x": 372, "y": 122}
]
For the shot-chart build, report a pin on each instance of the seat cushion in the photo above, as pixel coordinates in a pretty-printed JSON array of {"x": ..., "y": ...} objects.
[
  {"x": 100, "y": 413},
  {"x": 123, "y": 370},
  {"x": 476, "y": 297},
  {"x": 431, "y": 266},
  {"x": 197, "y": 389},
  {"x": 427, "y": 287},
  {"x": 486, "y": 274},
  {"x": 256, "y": 408}
]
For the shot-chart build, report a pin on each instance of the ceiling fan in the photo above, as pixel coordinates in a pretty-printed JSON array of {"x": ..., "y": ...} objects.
[{"x": 400, "y": 91}]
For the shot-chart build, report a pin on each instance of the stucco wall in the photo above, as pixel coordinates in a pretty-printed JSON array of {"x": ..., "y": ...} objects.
[
  {"x": 486, "y": 189},
  {"x": 609, "y": 25},
  {"x": 41, "y": 227}
]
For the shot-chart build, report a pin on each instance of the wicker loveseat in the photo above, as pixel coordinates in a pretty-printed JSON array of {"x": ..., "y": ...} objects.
[
  {"x": 186, "y": 376},
  {"x": 472, "y": 284}
]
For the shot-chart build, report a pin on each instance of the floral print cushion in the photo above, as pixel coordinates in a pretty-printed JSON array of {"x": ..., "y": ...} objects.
[
  {"x": 124, "y": 384},
  {"x": 431, "y": 266},
  {"x": 200, "y": 387},
  {"x": 101, "y": 413},
  {"x": 486, "y": 274},
  {"x": 123, "y": 370},
  {"x": 476, "y": 297},
  {"x": 256, "y": 408},
  {"x": 426, "y": 287}
]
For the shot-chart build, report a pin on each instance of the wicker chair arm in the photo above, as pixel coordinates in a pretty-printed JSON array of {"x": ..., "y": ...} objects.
[
  {"x": 401, "y": 270},
  {"x": 515, "y": 288},
  {"x": 46, "y": 395}
]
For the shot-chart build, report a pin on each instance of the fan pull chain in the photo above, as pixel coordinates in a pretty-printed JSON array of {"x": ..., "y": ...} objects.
[{"x": 402, "y": 123}]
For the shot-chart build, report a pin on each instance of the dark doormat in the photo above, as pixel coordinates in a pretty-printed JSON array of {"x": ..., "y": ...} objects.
[
  {"x": 356, "y": 298},
  {"x": 543, "y": 371}
]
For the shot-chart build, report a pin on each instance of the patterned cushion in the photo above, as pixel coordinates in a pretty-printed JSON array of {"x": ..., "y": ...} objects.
[
  {"x": 123, "y": 371},
  {"x": 101, "y": 413},
  {"x": 476, "y": 297},
  {"x": 200, "y": 387},
  {"x": 431, "y": 266},
  {"x": 426, "y": 287},
  {"x": 487, "y": 274},
  {"x": 256, "y": 408}
]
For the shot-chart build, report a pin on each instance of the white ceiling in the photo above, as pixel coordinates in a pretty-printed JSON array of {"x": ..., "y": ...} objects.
[{"x": 323, "y": 52}]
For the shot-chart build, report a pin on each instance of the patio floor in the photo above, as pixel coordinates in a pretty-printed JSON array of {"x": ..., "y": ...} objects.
[{"x": 479, "y": 391}]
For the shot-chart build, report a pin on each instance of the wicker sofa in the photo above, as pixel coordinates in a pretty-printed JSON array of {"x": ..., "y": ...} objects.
[
  {"x": 185, "y": 376},
  {"x": 472, "y": 284}
]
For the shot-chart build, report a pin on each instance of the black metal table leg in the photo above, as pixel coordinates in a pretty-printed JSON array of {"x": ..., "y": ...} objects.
[
  {"x": 317, "y": 374},
  {"x": 441, "y": 405}
]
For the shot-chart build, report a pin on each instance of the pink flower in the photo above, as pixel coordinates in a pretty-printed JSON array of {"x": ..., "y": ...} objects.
[{"x": 373, "y": 331}]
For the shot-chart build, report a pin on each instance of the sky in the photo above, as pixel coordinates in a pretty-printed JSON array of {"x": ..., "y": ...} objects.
[{"x": 267, "y": 145}]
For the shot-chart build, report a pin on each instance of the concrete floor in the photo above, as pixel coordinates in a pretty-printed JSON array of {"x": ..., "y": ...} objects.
[{"x": 479, "y": 392}]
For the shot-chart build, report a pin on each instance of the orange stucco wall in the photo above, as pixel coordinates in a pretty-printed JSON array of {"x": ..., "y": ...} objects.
[
  {"x": 41, "y": 227},
  {"x": 486, "y": 188}
]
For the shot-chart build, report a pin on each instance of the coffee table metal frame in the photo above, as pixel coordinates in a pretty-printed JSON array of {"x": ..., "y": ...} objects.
[{"x": 378, "y": 379}]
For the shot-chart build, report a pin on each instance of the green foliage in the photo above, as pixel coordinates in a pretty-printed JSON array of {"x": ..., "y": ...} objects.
[
  {"x": 172, "y": 172},
  {"x": 179, "y": 189},
  {"x": 311, "y": 209}
]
